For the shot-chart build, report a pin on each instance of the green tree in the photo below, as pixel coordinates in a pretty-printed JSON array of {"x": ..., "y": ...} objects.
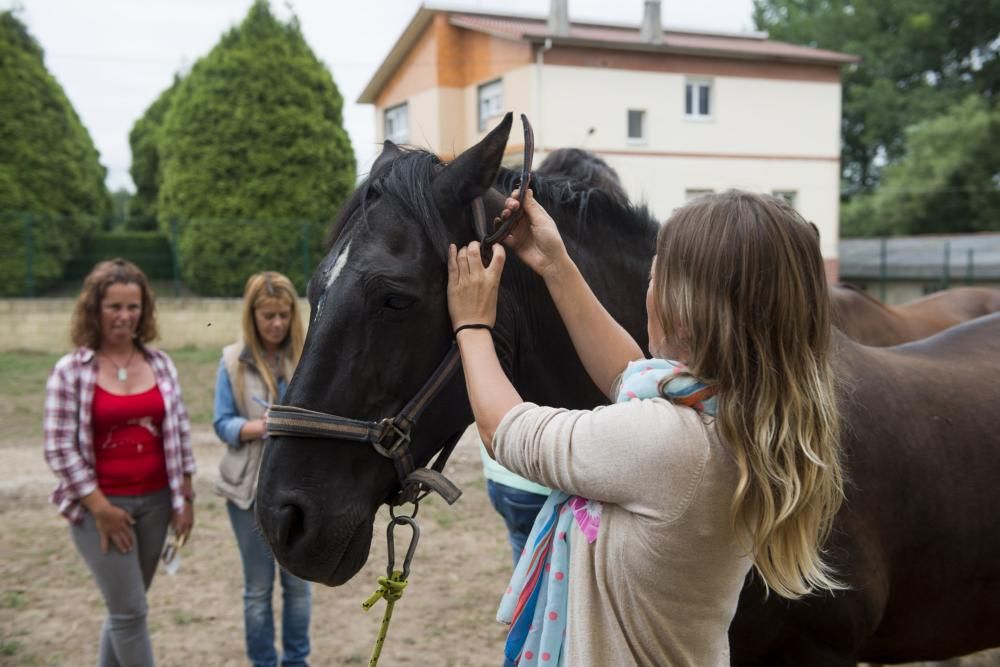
[
  {"x": 254, "y": 155},
  {"x": 144, "y": 139},
  {"x": 52, "y": 190},
  {"x": 121, "y": 208},
  {"x": 948, "y": 182},
  {"x": 919, "y": 57}
]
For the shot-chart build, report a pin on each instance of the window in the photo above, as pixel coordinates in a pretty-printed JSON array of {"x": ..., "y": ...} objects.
[
  {"x": 397, "y": 123},
  {"x": 790, "y": 196},
  {"x": 698, "y": 98},
  {"x": 692, "y": 194},
  {"x": 490, "y": 102},
  {"x": 636, "y": 125}
]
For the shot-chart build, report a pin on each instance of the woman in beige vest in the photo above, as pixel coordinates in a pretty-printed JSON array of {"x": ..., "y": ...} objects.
[{"x": 253, "y": 374}]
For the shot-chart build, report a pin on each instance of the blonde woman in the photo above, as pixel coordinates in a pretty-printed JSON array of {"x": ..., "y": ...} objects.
[
  {"x": 253, "y": 374},
  {"x": 718, "y": 456}
]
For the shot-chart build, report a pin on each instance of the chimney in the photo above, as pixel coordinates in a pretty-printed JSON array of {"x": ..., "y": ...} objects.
[
  {"x": 651, "y": 31},
  {"x": 558, "y": 18}
]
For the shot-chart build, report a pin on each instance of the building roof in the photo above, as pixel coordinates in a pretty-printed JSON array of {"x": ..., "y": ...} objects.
[
  {"x": 922, "y": 258},
  {"x": 754, "y": 46},
  {"x": 534, "y": 29}
]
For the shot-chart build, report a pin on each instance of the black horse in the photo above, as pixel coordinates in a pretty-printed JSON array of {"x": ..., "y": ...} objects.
[
  {"x": 917, "y": 540},
  {"x": 585, "y": 167}
]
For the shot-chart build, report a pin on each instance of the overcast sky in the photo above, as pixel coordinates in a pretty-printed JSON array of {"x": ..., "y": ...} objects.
[{"x": 114, "y": 57}]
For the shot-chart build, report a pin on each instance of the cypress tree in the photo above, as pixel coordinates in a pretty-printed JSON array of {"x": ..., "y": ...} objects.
[
  {"x": 52, "y": 191},
  {"x": 254, "y": 156},
  {"x": 144, "y": 139}
]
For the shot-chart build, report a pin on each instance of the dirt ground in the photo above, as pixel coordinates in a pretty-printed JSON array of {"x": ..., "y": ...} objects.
[{"x": 51, "y": 613}]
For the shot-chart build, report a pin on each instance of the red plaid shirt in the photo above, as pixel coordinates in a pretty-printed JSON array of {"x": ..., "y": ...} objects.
[{"x": 69, "y": 433}]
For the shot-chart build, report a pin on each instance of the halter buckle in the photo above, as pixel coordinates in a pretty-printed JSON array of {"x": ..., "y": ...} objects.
[{"x": 392, "y": 437}]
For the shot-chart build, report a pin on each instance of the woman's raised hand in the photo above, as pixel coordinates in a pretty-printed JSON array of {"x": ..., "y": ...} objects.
[
  {"x": 535, "y": 238},
  {"x": 472, "y": 287}
]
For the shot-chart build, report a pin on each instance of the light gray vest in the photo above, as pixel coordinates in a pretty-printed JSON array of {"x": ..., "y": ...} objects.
[{"x": 240, "y": 465}]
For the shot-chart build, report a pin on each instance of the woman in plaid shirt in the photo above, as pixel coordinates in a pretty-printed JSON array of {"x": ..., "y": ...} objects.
[{"x": 117, "y": 437}]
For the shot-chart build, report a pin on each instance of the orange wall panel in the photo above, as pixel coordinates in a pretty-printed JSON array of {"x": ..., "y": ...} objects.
[
  {"x": 487, "y": 57},
  {"x": 450, "y": 57},
  {"x": 417, "y": 72}
]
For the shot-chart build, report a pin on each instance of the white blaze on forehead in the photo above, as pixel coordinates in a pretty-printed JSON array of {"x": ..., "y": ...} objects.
[{"x": 338, "y": 266}]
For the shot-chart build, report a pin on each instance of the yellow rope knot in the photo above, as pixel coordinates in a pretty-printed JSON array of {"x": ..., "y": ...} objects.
[{"x": 390, "y": 588}]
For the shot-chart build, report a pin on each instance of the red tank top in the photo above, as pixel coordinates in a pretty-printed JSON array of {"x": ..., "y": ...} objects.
[{"x": 128, "y": 443}]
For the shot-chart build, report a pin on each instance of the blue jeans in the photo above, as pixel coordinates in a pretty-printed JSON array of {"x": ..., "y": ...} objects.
[
  {"x": 518, "y": 509},
  {"x": 258, "y": 585}
]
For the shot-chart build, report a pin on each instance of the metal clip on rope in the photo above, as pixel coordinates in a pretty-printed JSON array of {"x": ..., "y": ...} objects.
[{"x": 392, "y": 585}]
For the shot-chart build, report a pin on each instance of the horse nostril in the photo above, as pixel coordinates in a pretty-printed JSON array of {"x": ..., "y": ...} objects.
[{"x": 291, "y": 525}]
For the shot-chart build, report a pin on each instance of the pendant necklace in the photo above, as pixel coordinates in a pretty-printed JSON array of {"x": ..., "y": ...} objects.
[{"x": 122, "y": 370}]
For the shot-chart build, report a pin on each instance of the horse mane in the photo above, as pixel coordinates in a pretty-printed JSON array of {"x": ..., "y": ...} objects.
[
  {"x": 405, "y": 180},
  {"x": 584, "y": 212},
  {"x": 581, "y": 211},
  {"x": 586, "y": 167}
]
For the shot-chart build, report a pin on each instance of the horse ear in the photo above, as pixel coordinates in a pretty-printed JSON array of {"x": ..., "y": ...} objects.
[
  {"x": 390, "y": 152},
  {"x": 472, "y": 173}
]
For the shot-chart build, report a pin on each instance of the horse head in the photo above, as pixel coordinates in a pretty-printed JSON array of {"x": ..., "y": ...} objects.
[{"x": 379, "y": 330}]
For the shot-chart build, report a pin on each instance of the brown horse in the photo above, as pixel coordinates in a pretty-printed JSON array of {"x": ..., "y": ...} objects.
[{"x": 868, "y": 321}]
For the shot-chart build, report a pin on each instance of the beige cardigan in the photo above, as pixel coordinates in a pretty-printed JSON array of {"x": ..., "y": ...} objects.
[{"x": 661, "y": 583}]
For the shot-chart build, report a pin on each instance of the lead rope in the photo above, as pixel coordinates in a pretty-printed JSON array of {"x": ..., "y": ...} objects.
[{"x": 392, "y": 585}]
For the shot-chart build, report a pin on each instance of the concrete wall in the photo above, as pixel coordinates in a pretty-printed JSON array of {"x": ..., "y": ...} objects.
[
  {"x": 748, "y": 116},
  {"x": 764, "y": 135},
  {"x": 43, "y": 324}
]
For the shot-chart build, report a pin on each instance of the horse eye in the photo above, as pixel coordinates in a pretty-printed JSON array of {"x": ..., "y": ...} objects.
[{"x": 398, "y": 302}]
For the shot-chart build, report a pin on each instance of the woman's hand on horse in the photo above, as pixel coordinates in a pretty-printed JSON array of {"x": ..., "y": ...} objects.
[
  {"x": 472, "y": 287},
  {"x": 114, "y": 525},
  {"x": 535, "y": 238}
]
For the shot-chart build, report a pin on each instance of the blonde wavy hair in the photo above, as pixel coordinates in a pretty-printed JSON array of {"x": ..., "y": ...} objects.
[
  {"x": 261, "y": 288},
  {"x": 739, "y": 284}
]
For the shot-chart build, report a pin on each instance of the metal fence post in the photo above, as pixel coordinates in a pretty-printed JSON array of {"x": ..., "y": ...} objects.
[
  {"x": 175, "y": 251},
  {"x": 969, "y": 271},
  {"x": 305, "y": 253},
  {"x": 947, "y": 261},
  {"x": 882, "y": 269},
  {"x": 29, "y": 255}
]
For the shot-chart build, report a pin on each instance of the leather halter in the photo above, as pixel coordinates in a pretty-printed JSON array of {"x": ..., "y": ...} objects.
[{"x": 391, "y": 436}]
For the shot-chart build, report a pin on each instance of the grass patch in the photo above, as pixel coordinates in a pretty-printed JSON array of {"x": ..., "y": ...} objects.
[
  {"x": 12, "y": 600},
  {"x": 9, "y": 646},
  {"x": 22, "y": 394},
  {"x": 196, "y": 368},
  {"x": 183, "y": 618},
  {"x": 23, "y": 376}
]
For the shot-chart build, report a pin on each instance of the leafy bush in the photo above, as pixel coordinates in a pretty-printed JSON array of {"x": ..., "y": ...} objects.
[
  {"x": 947, "y": 183},
  {"x": 52, "y": 190},
  {"x": 253, "y": 133},
  {"x": 144, "y": 140},
  {"x": 150, "y": 251}
]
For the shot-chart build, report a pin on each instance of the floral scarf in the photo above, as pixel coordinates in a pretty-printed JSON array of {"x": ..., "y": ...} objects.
[{"x": 535, "y": 603}]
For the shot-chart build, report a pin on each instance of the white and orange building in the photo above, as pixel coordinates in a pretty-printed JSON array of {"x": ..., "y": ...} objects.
[{"x": 677, "y": 114}]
